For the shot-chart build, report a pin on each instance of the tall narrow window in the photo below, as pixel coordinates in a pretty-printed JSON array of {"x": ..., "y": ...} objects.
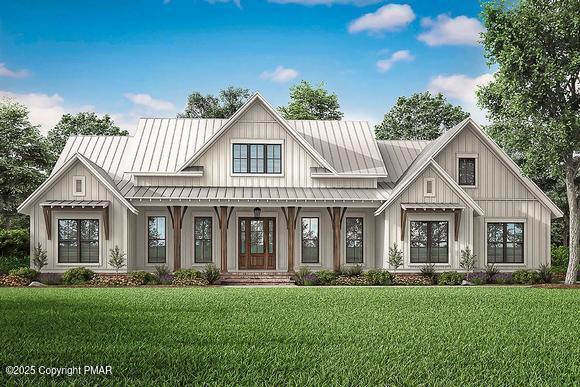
[
  {"x": 78, "y": 186},
  {"x": 78, "y": 241},
  {"x": 354, "y": 240},
  {"x": 466, "y": 170},
  {"x": 156, "y": 239},
  {"x": 257, "y": 158},
  {"x": 429, "y": 242},
  {"x": 203, "y": 239},
  {"x": 505, "y": 243},
  {"x": 310, "y": 240},
  {"x": 429, "y": 187}
]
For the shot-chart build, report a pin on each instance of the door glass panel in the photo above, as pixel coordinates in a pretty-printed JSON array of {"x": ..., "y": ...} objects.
[
  {"x": 271, "y": 237},
  {"x": 257, "y": 236},
  {"x": 243, "y": 236}
]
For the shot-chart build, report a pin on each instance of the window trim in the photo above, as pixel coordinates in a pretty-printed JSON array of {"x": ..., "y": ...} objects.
[
  {"x": 425, "y": 183},
  {"x": 82, "y": 192},
  {"x": 354, "y": 215},
  {"x": 318, "y": 263},
  {"x": 427, "y": 242},
  {"x": 256, "y": 142},
  {"x": 437, "y": 217},
  {"x": 507, "y": 220},
  {"x": 148, "y": 263},
  {"x": 212, "y": 240},
  {"x": 474, "y": 156},
  {"x": 80, "y": 216}
]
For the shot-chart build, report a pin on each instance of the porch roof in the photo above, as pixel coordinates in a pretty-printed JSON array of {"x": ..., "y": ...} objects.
[
  {"x": 378, "y": 194},
  {"x": 75, "y": 203}
]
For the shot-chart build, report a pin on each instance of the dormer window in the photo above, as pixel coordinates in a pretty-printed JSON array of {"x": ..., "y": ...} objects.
[
  {"x": 78, "y": 186},
  {"x": 257, "y": 158}
]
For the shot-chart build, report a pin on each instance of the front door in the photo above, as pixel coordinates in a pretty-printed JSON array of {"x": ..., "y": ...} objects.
[{"x": 256, "y": 243}]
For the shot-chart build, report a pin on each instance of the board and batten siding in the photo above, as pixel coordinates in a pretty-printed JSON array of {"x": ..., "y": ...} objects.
[
  {"x": 415, "y": 194},
  {"x": 502, "y": 196},
  {"x": 62, "y": 189}
]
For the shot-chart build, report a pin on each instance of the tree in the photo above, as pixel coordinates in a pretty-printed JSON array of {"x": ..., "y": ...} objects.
[
  {"x": 84, "y": 123},
  {"x": 24, "y": 161},
  {"x": 467, "y": 261},
  {"x": 534, "y": 97},
  {"x": 228, "y": 101},
  {"x": 422, "y": 116},
  {"x": 39, "y": 257},
  {"x": 311, "y": 103},
  {"x": 116, "y": 258},
  {"x": 395, "y": 257}
]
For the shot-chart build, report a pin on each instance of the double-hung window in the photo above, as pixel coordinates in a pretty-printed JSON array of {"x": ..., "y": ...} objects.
[
  {"x": 78, "y": 241},
  {"x": 505, "y": 243},
  {"x": 156, "y": 239},
  {"x": 202, "y": 239},
  {"x": 354, "y": 239},
  {"x": 429, "y": 241},
  {"x": 466, "y": 170},
  {"x": 257, "y": 158},
  {"x": 310, "y": 240}
]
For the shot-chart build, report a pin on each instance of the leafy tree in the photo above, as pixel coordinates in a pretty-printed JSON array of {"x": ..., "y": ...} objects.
[
  {"x": 84, "y": 123},
  {"x": 395, "y": 257},
  {"x": 311, "y": 103},
  {"x": 116, "y": 258},
  {"x": 24, "y": 161},
  {"x": 467, "y": 261},
  {"x": 39, "y": 257},
  {"x": 534, "y": 98},
  {"x": 422, "y": 116},
  {"x": 228, "y": 101}
]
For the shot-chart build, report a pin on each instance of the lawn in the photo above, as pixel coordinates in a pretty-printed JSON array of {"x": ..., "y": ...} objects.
[{"x": 296, "y": 336}]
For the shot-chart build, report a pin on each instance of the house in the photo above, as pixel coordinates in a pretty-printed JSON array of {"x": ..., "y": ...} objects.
[{"x": 257, "y": 193}]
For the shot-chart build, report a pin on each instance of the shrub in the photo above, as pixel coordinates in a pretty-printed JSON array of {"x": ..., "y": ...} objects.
[
  {"x": 211, "y": 273},
  {"x": 395, "y": 257},
  {"x": 450, "y": 278},
  {"x": 378, "y": 277},
  {"x": 13, "y": 262},
  {"x": 24, "y": 272},
  {"x": 327, "y": 277},
  {"x": 545, "y": 273},
  {"x": 14, "y": 242},
  {"x": 560, "y": 256},
  {"x": 410, "y": 279},
  {"x": 503, "y": 278},
  {"x": 478, "y": 278},
  {"x": 142, "y": 278},
  {"x": 186, "y": 274},
  {"x": 351, "y": 271},
  {"x": 490, "y": 272},
  {"x": 161, "y": 270},
  {"x": 428, "y": 271},
  {"x": 467, "y": 261},
  {"x": 117, "y": 258},
  {"x": 300, "y": 274},
  {"x": 527, "y": 277},
  {"x": 310, "y": 280},
  {"x": 110, "y": 280},
  {"x": 351, "y": 280},
  {"x": 39, "y": 257},
  {"x": 77, "y": 276}
]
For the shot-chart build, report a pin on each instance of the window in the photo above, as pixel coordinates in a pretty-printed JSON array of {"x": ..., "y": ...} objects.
[
  {"x": 156, "y": 239},
  {"x": 310, "y": 240},
  {"x": 257, "y": 158},
  {"x": 505, "y": 243},
  {"x": 466, "y": 170},
  {"x": 429, "y": 241},
  {"x": 78, "y": 241},
  {"x": 203, "y": 239},
  {"x": 429, "y": 186},
  {"x": 354, "y": 240},
  {"x": 78, "y": 186}
]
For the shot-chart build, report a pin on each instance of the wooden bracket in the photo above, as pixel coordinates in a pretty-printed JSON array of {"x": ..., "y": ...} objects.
[
  {"x": 229, "y": 216},
  {"x": 403, "y": 223},
  {"x": 47, "y": 211},
  {"x": 457, "y": 223}
]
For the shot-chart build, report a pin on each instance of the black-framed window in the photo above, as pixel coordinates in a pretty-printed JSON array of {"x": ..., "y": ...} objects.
[
  {"x": 354, "y": 239},
  {"x": 78, "y": 241},
  {"x": 157, "y": 239},
  {"x": 257, "y": 158},
  {"x": 310, "y": 240},
  {"x": 505, "y": 242},
  {"x": 202, "y": 239},
  {"x": 466, "y": 169},
  {"x": 429, "y": 241}
]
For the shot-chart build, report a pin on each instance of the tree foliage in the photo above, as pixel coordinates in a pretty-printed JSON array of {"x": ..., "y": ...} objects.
[
  {"x": 308, "y": 102},
  {"x": 227, "y": 102},
  {"x": 534, "y": 98},
  {"x": 84, "y": 123},
  {"x": 422, "y": 116},
  {"x": 24, "y": 161}
]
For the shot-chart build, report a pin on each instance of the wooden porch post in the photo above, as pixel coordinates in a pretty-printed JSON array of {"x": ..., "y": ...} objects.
[
  {"x": 223, "y": 220},
  {"x": 177, "y": 214},
  {"x": 336, "y": 217},
  {"x": 291, "y": 215}
]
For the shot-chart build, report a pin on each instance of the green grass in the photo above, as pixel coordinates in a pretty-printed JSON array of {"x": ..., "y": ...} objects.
[{"x": 296, "y": 336}]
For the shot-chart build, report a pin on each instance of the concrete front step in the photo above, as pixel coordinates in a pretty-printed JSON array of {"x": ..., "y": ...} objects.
[{"x": 241, "y": 278}]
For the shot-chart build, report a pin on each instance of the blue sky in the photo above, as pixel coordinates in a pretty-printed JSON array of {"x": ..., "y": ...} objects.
[{"x": 132, "y": 59}]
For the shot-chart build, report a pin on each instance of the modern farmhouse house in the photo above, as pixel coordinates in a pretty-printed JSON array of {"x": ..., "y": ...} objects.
[{"x": 258, "y": 193}]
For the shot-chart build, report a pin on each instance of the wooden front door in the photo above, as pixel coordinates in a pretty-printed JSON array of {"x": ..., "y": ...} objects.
[{"x": 256, "y": 243}]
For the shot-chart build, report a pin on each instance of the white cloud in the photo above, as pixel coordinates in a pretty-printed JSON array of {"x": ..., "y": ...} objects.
[
  {"x": 6, "y": 72},
  {"x": 390, "y": 17},
  {"x": 460, "y": 30},
  {"x": 147, "y": 101},
  {"x": 236, "y": 2},
  {"x": 358, "y": 3},
  {"x": 461, "y": 88},
  {"x": 280, "y": 75},
  {"x": 45, "y": 110},
  {"x": 385, "y": 65}
]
